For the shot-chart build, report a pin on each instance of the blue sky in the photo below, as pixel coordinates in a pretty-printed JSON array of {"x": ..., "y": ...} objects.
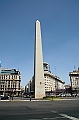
[{"x": 60, "y": 35}]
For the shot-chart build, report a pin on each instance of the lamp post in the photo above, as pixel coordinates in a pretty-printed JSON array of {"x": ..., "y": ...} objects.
[
  {"x": 5, "y": 86},
  {"x": 13, "y": 88}
]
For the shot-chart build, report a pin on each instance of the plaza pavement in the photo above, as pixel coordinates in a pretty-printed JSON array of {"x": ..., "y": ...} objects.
[{"x": 40, "y": 110}]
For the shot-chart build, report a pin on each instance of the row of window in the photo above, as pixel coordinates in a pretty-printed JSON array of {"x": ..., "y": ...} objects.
[
  {"x": 12, "y": 85},
  {"x": 75, "y": 82},
  {"x": 47, "y": 80},
  {"x": 8, "y": 82},
  {"x": 9, "y": 77},
  {"x": 6, "y": 88}
]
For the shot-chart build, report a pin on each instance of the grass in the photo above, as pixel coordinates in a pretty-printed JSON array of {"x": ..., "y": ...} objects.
[{"x": 51, "y": 98}]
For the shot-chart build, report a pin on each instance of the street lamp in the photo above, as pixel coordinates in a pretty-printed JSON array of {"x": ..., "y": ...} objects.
[
  {"x": 5, "y": 84},
  {"x": 13, "y": 80},
  {"x": 27, "y": 88}
]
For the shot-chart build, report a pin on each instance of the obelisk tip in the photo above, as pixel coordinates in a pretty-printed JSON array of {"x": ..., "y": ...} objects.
[{"x": 37, "y": 20}]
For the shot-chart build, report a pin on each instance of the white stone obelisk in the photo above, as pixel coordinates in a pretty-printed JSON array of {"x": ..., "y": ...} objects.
[{"x": 38, "y": 64}]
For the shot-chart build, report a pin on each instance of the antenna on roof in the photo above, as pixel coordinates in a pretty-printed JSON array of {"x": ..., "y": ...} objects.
[{"x": 74, "y": 67}]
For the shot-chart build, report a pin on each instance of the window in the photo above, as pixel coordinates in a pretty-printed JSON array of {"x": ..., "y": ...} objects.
[
  {"x": 19, "y": 85},
  {"x": 12, "y": 76},
  {"x": 19, "y": 77},
  {"x": 9, "y": 76},
  {"x": 77, "y": 82},
  {"x": 2, "y": 76},
  {"x": 9, "y": 82}
]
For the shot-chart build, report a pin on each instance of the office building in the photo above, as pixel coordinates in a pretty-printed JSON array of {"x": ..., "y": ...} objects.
[
  {"x": 10, "y": 80},
  {"x": 52, "y": 83},
  {"x": 74, "y": 81}
]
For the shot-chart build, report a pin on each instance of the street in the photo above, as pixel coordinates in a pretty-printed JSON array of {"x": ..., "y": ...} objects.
[{"x": 40, "y": 110}]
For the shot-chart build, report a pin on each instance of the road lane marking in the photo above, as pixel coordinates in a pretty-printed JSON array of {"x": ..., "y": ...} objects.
[
  {"x": 54, "y": 111},
  {"x": 66, "y": 116},
  {"x": 70, "y": 117},
  {"x": 53, "y": 118}
]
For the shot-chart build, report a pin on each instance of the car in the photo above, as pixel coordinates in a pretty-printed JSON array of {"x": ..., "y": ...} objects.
[
  {"x": 1, "y": 95},
  {"x": 4, "y": 97},
  {"x": 25, "y": 96},
  {"x": 62, "y": 95},
  {"x": 68, "y": 95},
  {"x": 74, "y": 95},
  {"x": 78, "y": 95}
]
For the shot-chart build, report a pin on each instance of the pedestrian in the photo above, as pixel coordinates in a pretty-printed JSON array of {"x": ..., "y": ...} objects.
[
  {"x": 30, "y": 97},
  {"x": 12, "y": 96}
]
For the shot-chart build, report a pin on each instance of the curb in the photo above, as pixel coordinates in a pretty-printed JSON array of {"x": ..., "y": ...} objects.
[
  {"x": 21, "y": 100},
  {"x": 33, "y": 100}
]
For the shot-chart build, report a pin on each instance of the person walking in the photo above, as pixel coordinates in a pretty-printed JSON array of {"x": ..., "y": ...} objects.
[
  {"x": 12, "y": 96},
  {"x": 30, "y": 97}
]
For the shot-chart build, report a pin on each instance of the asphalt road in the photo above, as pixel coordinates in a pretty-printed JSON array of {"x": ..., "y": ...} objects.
[{"x": 40, "y": 110}]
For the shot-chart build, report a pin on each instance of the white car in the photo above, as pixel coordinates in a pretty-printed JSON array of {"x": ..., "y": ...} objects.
[
  {"x": 1, "y": 95},
  {"x": 78, "y": 95},
  {"x": 68, "y": 95},
  {"x": 63, "y": 95}
]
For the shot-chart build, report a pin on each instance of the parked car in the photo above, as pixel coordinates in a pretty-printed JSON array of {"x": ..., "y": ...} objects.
[
  {"x": 62, "y": 95},
  {"x": 74, "y": 95},
  {"x": 78, "y": 95},
  {"x": 26, "y": 96},
  {"x": 68, "y": 95},
  {"x": 4, "y": 97},
  {"x": 1, "y": 95}
]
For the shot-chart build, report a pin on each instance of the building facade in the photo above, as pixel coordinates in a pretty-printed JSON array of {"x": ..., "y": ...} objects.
[
  {"x": 10, "y": 80},
  {"x": 52, "y": 83},
  {"x": 74, "y": 81}
]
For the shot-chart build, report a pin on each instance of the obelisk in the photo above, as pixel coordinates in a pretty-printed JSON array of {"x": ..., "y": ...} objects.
[{"x": 38, "y": 63}]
